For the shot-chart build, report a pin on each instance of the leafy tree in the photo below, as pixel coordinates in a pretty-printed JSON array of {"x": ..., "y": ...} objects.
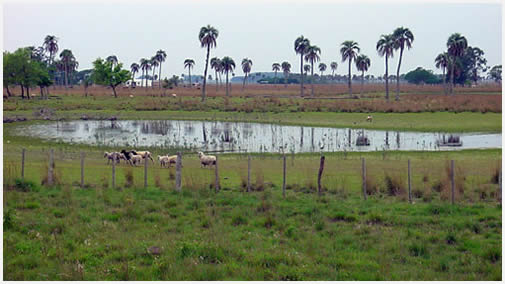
[
  {"x": 161, "y": 55},
  {"x": 312, "y": 55},
  {"x": 286, "y": 68},
  {"x": 207, "y": 36},
  {"x": 228, "y": 65},
  {"x": 276, "y": 67},
  {"x": 189, "y": 63},
  {"x": 385, "y": 47},
  {"x": 106, "y": 75},
  {"x": 403, "y": 37},
  {"x": 477, "y": 62},
  {"x": 456, "y": 46},
  {"x": 349, "y": 50},
  {"x": 171, "y": 83},
  {"x": 442, "y": 61},
  {"x": 495, "y": 73},
  {"x": 362, "y": 64},
  {"x": 421, "y": 75},
  {"x": 301, "y": 45},
  {"x": 246, "y": 68}
]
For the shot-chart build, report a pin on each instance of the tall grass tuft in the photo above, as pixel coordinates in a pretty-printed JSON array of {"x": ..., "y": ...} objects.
[
  {"x": 394, "y": 185},
  {"x": 129, "y": 178}
]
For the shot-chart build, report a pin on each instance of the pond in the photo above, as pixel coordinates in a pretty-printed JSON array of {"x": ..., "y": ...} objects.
[{"x": 215, "y": 136}]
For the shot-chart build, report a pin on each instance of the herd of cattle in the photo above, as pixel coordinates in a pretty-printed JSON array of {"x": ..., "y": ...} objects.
[{"x": 135, "y": 158}]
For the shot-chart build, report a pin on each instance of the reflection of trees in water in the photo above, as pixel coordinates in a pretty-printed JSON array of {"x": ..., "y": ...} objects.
[
  {"x": 160, "y": 127},
  {"x": 67, "y": 127},
  {"x": 188, "y": 128}
]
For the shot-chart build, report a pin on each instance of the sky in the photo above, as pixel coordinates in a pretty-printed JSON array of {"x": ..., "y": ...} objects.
[{"x": 263, "y": 31}]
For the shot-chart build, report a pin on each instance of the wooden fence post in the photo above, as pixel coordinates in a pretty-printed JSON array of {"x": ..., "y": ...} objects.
[
  {"x": 410, "y": 183},
  {"x": 113, "y": 174},
  {"x": 82, "y": 169},
  {"x": 145, "y": 172},
  {"x": 363, "y": 173},
  {"x": 319, "y": 174},
  {"x": 216, "y": 167},
  {"x": 452, "y": 182},
  {"x": 284, "y": 175},
  {"x": 178, "y": 166},
  {"x": 23, "y": 163},
  {"x": 248, "y": 173},
  {"x": 50, "y": 170}
]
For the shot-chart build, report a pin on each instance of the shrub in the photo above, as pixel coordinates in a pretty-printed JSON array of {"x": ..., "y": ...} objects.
[
  {"x": 372, "y": 187},
  {"x": 8, "y": 219},
  {"x": 25, "y": 185},
  {"x": 394, "y": 185}
]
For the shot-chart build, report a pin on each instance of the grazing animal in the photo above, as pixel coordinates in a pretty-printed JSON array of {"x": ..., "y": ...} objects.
[
  {"x": 167, "y": 160},
  {"x": 369, "y": 118},
  {"x": 145, "y": 155},
  {"x": 128, "y": 155},
  {"x": 135, "y": 160},
  {"x": 112, "y": 156},
  {"x": 174, "y": 95},
  {"x": 206, "y": 160}
]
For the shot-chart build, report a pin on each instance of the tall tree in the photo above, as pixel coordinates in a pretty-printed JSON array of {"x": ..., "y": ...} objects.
[
  {"x": 312, "y": 56},
  {"x": 403, "y": 37},
  {"x": 112, "y": 59},
  {"x": 495, "y": 73},
  {"x": 246, "y": 68},
  {"x": 306, "y": 68},
  {"x": 442, "y": 61},
  {"x": 456, "y": 45},
  {"x": 286, "y": 68},
  {"x": 385, "y": 47},
  {"x": 215, "y": 63},
  {"x": 161, "y": 55},
  {"x": 477, "y": 62},
  {"x": 154, "y": 64},
  {"x": 67, "y": 59},
  {"x": 207, "y": 36},
  {"x": 145, "y": 66},
  {"x": 362, "y": 64},
  {"x": 51, "y": 46},
  {"x": 322, "y": 68},
  {"x": 301, "y": 45},
  {"x": 349, "y": 50},
  {"x": 228, "y": 66},
  {"x": 134, "y": 69},
  {"x": 276, "y": 67},
  {"x": 189, "y": 63},
  {"x": 105, "y": 74},
  {"x": 333, "y": 67}
]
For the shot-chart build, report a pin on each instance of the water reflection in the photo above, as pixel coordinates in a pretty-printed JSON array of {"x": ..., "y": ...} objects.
[{"x": 241, "y": 137}]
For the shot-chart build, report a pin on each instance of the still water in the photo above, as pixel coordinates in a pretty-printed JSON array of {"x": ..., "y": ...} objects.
[{"x": 244, "y": 137}]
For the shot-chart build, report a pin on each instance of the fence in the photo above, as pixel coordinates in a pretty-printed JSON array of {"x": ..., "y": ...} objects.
[{"x": 452, "y": 186}]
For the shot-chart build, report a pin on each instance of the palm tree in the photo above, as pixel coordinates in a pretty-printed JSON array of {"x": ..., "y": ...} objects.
[
  {"x": 161, "y": 55},
  {"x": 362, "y": 64},
  {"x": 51, "y": 45},
  {"x": 333, "y": 67},
  {"x": 154, "y": 64},
  {"x": 144, "y": 65},
  {"x": 301, "y": 45},
  {"x": 322, "y": 68},
  {"x": 385, "y": 47},
  {"x": 276, "y": 67},
  {"x": 456, "y": 45},
  {"x": 442, "y": 61},
  {"x": 306, "y": 68},
  {"x": 312, "y": 55},
  {"x": 215, "y": 63},
  {"x": 402, "y": 37},
  {"x": 246, "y": 67},
  {"x": 207, "y": 36},
  {"x": 349, "y": 50},
  {"x": 286, "y": 68},
  {"x": 134, "y": 68},
  {"x": 112, "y": 59},
  {"x": 228, "y": 66},
  {"x": 66, "y": 58},
  {"x": 189, "y": 63}
]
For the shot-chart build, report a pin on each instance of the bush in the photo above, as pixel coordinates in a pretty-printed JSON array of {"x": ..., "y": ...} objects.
[
  {"x": 25, "y": 186},
  {"x": 8, "y": 219}
]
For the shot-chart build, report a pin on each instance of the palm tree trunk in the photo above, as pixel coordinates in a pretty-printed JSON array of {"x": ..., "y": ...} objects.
[
  {"x": 285, "y": 80},
  {"x": 8, "y": 91},
  {"x": 452, "y": 74},
  {"x": 243, "y": 82},
  {"x": 350, "y": 83},
  {"x": 445, "y": 83},
  {"x": 205, "y": 73},
  {"x": 275, "y": 76},
  {"x": 362, "y": 82},
  {"x": 22, "y": 91},
  {"x": 398, "y": 76},
  {"x": 142, "y": 81},
  {"x": 312, "y": 78},
  {"x": 66, "y": 76},
  {"x": 217, "y": 82},
  {"x": 189, "y": 72},
  {"x": 227, "y": 94},
  {"x": 301, "y": 74},
  {"x": 387, "y": 80},
  {"x": 159, "y": 77},
  {"x": 152, "y": 81}
]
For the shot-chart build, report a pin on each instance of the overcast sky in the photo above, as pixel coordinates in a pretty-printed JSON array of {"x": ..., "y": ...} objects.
[{"x": 261, "y": 31}]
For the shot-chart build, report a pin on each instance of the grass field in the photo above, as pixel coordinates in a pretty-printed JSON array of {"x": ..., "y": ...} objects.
[{"x": 136, "y": 233}]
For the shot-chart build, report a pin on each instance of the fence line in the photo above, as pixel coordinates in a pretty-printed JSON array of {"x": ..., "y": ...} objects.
[
  {"x": 410, "y": 183},
  {"x": 363, "y": 173}
]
